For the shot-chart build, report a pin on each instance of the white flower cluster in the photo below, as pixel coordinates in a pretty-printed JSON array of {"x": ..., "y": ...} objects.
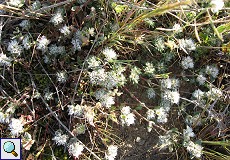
[
  {"x": 76, "y": 110},
  {"x": 57, "y": 18},
  {"x": 168, "y": 140},
  {"x": 26, "y": 42},
  {"x": 65, "y": 30},
  {"x": 111, "y": 152},
  {"x": 214, "y": 93},
  {"x": 171, "y": 96},
  {"x": 48, "y": 96},
  {"x": 16, "y": 126},
  {"x": 16, "y": 3},
  {"x": 151, "y": 93},
  {"x": 36, "y": 5},
  {"x": 127, "y": 118},
  {"x": 177, "y": 28},
  {"x": 6, "y": 116},
  {"x": 194, "y": 149},
  {"x": 109, "y": 54},
  {"x": 149, "y": 68},
  {"x": 201, "y": 79},
  {"x": 61, "y": 77},
  {"x": 56, "y": 50},
  {"x": 162, "y": 115},
  {"x": 93, "y": 62},
  {"x": 187, "y": 62},
  {"x": 187, "y": 45},
  {"x": 75, "y": 148},
  {"x": 42, "y": 43},
  {"x": 188, "y": 132},
  {"x": 212, "y": 71},
  {"x": 4, "y": 60},
  {"x": 14, "y": 48},
  {"x": 217, "y": 5},
  {"x": 160, "y": 44},
  {"x": 198, "y": 94},
  {"x": 105, "y": 97},
  {"x": 169, "y": 83},
  {"x": 91, "y": 31},
  {"x": 150, "y": 114},
  {"x": 25, "y": 24},
  {"x": 134, "y": 76},
  {"x": 59, "y": 138}
]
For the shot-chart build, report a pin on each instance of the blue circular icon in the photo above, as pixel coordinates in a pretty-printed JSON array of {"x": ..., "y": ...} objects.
[{"x": 9, "y": 147}]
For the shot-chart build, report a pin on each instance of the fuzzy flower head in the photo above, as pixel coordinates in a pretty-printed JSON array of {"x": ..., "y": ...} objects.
[
  {"x": 169, "y": 83},
  {"x": 4, "y": 60},
  {"x": 76, "y": 110},
  {"x": 93, "y": 62},
  {"x": 150, "y": 114},
  {"x": 171, "y": 96},
  {"x": 26, "y": 42},
  {"x": 127, "y": 118},
  {"x": 161, "y": 115},
  {"x": 57, "y": 18},
  {"x": 187, "y": 62},
  {"x": 201, "y": 79},
  {"x": 149, "y": 68},
  {"x": 61, "y": 77},
  {"x": 177, "y": 28},
  {"x": 160, "y": 44},
  {"x": 59, "y": 138},
  {"x": 217, "y": 5},
  {"x": 109, "y": 54},
  {"x": 212, "y": 71},
  {"x": 16, "y": 126},
  {"x": 111, "y": 152},
  {"x": 134, "y": 76},
  {"x": 14, "y": 48},
  {"x": 151, "y": 93},
  {"x": 105, "y": 97},
  {"x": 75, "y": 148},
  {"x": 194, "y": 149},
  {"x": 65, "y": 30},
  {"x": 214, "y": 93},
  {"x": 77, "y": 43},
  {"x": 16, "y": 3},
  {"x": 42, "y": 43},
  {"x": 188, "y": 132},
  {"x": 198, "y": 94},
  {"x": 187, "y": 45}
]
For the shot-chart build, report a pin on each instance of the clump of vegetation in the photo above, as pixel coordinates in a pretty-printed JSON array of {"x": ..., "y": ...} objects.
[{"x": 75, "y": 73}]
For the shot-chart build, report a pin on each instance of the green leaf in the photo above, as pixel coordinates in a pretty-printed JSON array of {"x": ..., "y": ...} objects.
[{"x": 223, "y": 28}]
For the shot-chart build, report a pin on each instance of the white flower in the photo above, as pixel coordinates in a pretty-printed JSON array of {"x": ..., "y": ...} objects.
[
  {"x": 4, "y": 60},
  {"x": 16, "y": 3},
  {"x": 59, "y": 138},
  {"x": 25, "y": 24},
  {"x": 77, "y": 43},
  {"x": 212, "y": 71},
  {"x": 169, "y": 83},
  {"x": 187, "y": 45},
  {"x": 93, "y": 62},
  {"x": 16, "y": 126},
  {"x": 127, "y": 118},
  {"x": 151, "y": 93},
  {"x": 75, "y": 148},
  {"x": 165, "y": 141},
  {"x": 150, "y": 114},
  {"x": 217, "y": 5},
  {"x": 98, "y": 77},
  {"x": 43, "y": 43},
  {"x": 188, "y": 132},
  {"x": 109, "y": 53},
  {"x": 14, "y": 48},
  {"x": 187, "y": 62},
  {"x": 26, "y": 42},
  {"x": 214, "y": 93},
  {"x": 4, "y": 117},
  {"x": 111, "y": 152},
  {"x": 201, "y": 79},
  {"x": 48, "y": 96},
  {"x": 161, "y": 115},
  {"x": 65, "y": 30},
  {"x": 160, "y": 44},
  {"x": 61, "y": 77},
  {"x": 198, "y": 94},
  {"x": 76, "y": 110},
  {"x": 134, "y": 76},
  {"x": 36, "y": 5},
  {"x": 56, "y": 50},
  {"x": 149, "y": 69},
  {"x": 105, "y": 97},
  {"x": 89, "y": 114},
  {"x": 172, "y": 96},
  {"x": 194, "y": 149},
  {"x": 177, "y": 28},
  {"x": 57, "y": 18},
  {"x": 91, "y": 31}
]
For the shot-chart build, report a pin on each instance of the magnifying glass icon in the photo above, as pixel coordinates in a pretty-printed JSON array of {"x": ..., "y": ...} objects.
[{"x": 9, "y": 147}]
